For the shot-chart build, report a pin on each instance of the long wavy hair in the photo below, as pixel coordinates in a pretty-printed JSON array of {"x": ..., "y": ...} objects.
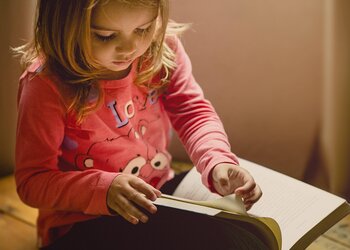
[{"x": 62, "y": 40}]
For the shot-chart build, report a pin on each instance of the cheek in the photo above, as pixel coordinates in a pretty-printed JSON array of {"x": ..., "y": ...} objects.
[
  {"x": 101, "y": 53},
  {"x": 144, "y": 45}
]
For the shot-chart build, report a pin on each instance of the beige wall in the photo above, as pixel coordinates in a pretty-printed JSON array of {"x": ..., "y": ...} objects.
[
  {"x": 260, "y": 63},
  {"x": 276, "y": 71},
  {"x": 15, "y": 23},
  {"x": 278, "y": 74},
  {"x": 335, "y": 135}
]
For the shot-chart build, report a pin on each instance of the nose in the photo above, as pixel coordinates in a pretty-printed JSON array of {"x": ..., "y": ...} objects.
[{"x": 126, "y": 47}]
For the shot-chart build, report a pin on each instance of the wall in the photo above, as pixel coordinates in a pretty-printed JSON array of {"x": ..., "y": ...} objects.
[
  {"x": 260, "y": 63},
  {"x": 335, "y": 136},
  {"x": 15, "y": 27},
  {"x": 278, "y": 74},
  {"x": 276, "y": 71}
]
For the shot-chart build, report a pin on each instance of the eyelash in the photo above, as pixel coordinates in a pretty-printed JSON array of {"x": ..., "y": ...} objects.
[
  {"x": 104, "y": 38},
  {"x": 140, "y": 32},
  {"x": 143, "y": 31}
]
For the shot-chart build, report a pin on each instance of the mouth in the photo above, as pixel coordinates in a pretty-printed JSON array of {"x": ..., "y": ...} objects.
[{"x": 122, "y": 62}]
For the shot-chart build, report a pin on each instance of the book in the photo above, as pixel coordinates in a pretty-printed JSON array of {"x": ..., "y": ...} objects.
[{"x": 291, "y": 214}]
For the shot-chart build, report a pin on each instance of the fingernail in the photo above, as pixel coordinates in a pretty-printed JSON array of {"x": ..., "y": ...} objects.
[
  {"x": 144, "y": 219},
  {"x": 153, "y": 209}
]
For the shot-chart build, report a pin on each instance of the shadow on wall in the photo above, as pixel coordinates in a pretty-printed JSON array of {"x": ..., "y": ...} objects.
[{"x": 14, "y": 31}]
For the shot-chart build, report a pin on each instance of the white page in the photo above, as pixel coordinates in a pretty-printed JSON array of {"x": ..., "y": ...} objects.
[
  {"x": 186, "y": 206},
  {"x": 192, "y": 188},
  {"x": 230, "y": 203},
  {"x": 296, "y": 206}
]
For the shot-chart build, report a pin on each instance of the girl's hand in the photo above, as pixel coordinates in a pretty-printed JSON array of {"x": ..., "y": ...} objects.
[
  {"x": 229, "y": 178},
  {"x": 126, "y": 191}
]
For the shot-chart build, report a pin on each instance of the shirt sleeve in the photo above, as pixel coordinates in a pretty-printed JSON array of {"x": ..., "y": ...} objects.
[
  {"x": 40, "y": 132},
  {"x": 195, "y": 120}
]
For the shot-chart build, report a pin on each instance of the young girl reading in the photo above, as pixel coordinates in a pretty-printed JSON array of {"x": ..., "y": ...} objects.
[{"x": 104, "y": 84}]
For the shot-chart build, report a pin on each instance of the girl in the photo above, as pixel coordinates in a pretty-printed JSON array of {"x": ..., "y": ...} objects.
[{"x": 104, "y": 83}]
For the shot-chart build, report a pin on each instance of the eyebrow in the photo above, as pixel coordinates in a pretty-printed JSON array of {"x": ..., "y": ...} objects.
[{"x": 96, "y": 27}]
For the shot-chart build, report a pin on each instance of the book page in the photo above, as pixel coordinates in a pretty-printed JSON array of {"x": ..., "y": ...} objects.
[
  {"x": 229, "y": 203},
  {"x": 296, "y": 206},
  {"x": 191, "y": 188},
  {"x": 163, "y": 201}
]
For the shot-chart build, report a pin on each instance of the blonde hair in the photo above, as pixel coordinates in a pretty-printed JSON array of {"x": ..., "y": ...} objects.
[{"x": 62, "y": 39}]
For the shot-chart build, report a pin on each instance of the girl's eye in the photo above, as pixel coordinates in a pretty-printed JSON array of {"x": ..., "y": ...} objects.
[
  {"x": 143, "y": 32},
  {"x": 104, "y": 38}
]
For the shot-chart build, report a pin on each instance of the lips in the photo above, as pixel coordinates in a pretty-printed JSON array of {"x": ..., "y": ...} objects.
[{"x": 118, "y": 62}]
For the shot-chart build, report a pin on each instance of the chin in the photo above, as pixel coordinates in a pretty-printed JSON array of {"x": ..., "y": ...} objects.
[
  {"x": 116, "y": 69},
  {"x": 119, "y": 67}
]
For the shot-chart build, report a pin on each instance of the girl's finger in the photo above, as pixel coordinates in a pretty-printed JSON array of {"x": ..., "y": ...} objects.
[
  {"x": 221, "y": 190},
  {"x": 248, "y": 195},
  {"x": 248, "y": 206},
  {"x": 143, "y": 202},
  {"x": 139, "y": 198},
  {"x": 126, "y": 205},
  {"x": 247, "y": 187},
  {"x": 150, "y": 192},
  {"x": 254, "y": 197},
  {"x": 119, "y": 210},
  {"x": 221, "y": 176},
  {"x": 223, "y": 182}
]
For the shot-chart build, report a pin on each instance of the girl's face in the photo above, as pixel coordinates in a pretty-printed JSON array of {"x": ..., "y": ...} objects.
[{"x": 120, "y": 34}]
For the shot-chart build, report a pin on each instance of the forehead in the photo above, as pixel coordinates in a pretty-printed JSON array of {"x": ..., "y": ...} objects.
[{"x": 115, "y": 15}]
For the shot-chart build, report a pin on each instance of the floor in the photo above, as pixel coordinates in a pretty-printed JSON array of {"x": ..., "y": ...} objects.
[{"x": 17, "y": 221}]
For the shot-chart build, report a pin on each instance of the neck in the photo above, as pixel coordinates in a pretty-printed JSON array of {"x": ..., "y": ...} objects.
[{"x": 117, "y": 75}]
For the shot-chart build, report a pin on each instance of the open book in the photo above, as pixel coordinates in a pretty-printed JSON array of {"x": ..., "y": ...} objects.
[{"x": 290, "y": 215}]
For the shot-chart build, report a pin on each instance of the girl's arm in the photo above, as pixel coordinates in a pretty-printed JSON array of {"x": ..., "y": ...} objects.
[
  {"x": 40, "y": 134},
  {"x": 195, "y": 119},
  {"x": 42, "y": 184},
  {"x": 203, "y": 135}
]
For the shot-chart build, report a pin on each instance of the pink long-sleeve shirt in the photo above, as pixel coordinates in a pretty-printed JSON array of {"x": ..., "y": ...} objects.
[{"x": 65, "y": 169}]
